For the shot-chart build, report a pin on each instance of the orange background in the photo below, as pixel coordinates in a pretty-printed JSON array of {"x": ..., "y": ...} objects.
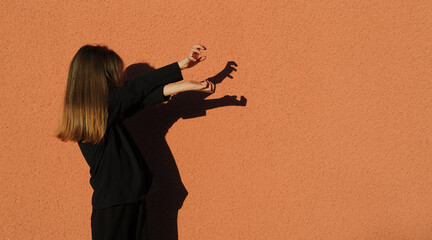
[{"x": 334, "y": 141}]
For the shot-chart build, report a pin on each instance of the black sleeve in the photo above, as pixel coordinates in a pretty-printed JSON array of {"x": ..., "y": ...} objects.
[
  {"x": 139, "y": 88},
  {"x": 156, "y": 96}
]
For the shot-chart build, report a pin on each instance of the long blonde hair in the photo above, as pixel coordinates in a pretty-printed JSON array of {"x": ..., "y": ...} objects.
[{"x": 93, "y": 71}]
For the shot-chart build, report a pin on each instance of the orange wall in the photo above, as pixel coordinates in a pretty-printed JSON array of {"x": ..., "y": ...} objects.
[{"x": 334, "y": 141}]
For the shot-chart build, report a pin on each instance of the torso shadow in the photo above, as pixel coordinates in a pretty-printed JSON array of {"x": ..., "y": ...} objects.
[{"x": 148, "y": 127}]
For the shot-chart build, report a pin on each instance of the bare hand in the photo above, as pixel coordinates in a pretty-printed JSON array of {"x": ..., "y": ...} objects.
[
  {"x": 202, "y": 86},
  {"x": 195, "y": 56}
]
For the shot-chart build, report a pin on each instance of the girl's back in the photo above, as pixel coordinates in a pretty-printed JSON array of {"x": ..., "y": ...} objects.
[{"x": 94, "y": 102}]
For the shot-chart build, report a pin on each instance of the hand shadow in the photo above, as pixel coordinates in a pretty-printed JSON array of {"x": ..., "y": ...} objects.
[{"x": 148, "y": 126}]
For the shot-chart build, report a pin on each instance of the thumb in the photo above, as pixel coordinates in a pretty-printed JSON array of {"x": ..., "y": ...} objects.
[{"x": 204, "y": 83}]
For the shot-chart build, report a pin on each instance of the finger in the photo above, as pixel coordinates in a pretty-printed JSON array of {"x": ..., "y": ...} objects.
[
  {"x": 194, "y": 55},
  {"x": 199, "y": 46},
  {"x": 212, "y": 87},
  {"x": 202, "y": 58},
  {"x": 204, "y": 84},
  {"x": 195, "y": 50},
  {"x": 191, "y": 58}
]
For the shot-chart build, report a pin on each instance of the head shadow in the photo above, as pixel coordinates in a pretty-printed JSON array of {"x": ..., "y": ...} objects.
[{"x": 148, "y": 125}]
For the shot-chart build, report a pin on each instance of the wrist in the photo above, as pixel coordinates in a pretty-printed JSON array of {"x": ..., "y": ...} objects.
[{"x": 182, "y": 63}]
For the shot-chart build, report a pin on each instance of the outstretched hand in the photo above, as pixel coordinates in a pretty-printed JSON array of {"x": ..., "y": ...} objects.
[
  {"x": 202, "y": 86},
  {"x": 195, "y": 56}
]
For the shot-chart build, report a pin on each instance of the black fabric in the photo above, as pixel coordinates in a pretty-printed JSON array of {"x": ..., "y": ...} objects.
[
  {"x": 125, "y": 222},
  {"x": 118, "y": 172}
]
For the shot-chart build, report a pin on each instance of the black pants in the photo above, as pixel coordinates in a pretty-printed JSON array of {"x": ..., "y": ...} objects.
[{"x": 120, "y": 222}]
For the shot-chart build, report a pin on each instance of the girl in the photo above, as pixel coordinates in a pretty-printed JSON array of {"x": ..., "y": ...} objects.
[{"x": 95, "y": 98}]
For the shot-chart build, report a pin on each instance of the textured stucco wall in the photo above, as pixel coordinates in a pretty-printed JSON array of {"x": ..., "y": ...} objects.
[{"x": 334, "y": 141}]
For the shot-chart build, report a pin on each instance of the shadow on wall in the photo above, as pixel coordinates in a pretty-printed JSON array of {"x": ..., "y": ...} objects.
[{"x": 148, "y": 127}]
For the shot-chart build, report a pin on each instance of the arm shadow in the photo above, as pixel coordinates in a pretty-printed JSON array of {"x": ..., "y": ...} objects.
[{"x": 148, "y": 126}]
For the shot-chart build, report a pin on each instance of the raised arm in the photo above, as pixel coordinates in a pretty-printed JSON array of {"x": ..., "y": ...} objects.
[
  {"x": 154, "y": 87},
  {"x": 163, "y": 93},
  {"x": 137, "y": 89}
]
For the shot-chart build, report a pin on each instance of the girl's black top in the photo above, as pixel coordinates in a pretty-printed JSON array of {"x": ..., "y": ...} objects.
[{"x": 118, "y": 172}]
